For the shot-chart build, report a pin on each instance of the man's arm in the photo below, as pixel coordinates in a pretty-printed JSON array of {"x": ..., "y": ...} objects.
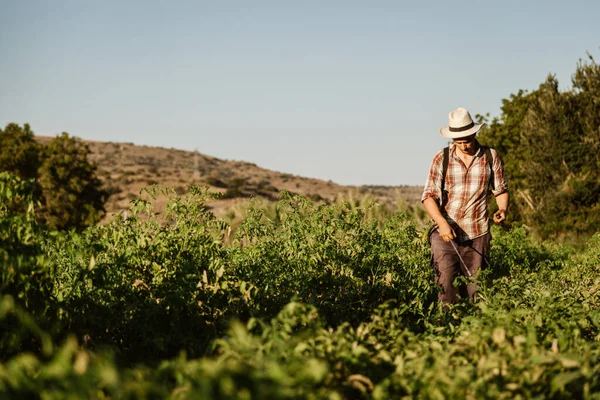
[
  {"x": 502, "y": 202},
  {"x": 501, "y": 189},
  {"x": 432, "y": 194},
  {"x": 445, "y": 230}
]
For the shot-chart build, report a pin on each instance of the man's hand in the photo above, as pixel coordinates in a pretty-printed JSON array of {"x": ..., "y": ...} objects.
[
  {"x": 444, "y": 229},
  {"x": 446, "y": 232},
  {"x": 502, "y": 202},
  {"x": 499, "y": 216}
]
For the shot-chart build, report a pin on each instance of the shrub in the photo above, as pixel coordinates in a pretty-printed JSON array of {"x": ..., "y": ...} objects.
[{"x": 73, "y": 195}]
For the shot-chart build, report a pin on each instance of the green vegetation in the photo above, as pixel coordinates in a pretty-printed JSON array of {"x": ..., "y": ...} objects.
[
  {"x": 324, "y": 301},
  {"x": 20, "y": 151},
  {"x": 72, "y": 193},
  {"x": 67, "y": 187},
  {"x": 550, "y": 143}
]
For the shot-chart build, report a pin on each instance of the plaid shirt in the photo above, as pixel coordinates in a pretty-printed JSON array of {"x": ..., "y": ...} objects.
[{"x": 464, "y": 201}]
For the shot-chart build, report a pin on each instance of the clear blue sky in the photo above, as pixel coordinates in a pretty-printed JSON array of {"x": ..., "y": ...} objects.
[{"x": 351, "y": 91}]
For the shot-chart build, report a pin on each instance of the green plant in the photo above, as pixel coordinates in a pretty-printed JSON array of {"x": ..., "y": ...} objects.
[
  {"x": 72, "y": 194},
  {"x": 301, "y": 300}
]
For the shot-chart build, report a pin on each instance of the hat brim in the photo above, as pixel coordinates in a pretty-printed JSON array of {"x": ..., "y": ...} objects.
[{"x": 445, "y": 132}]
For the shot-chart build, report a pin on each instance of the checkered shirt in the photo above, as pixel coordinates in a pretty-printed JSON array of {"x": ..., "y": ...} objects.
[{"x": 464, "y": 201}]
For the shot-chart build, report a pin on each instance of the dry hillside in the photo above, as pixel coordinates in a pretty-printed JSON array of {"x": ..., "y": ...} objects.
[{"x": 125, "y": 169}]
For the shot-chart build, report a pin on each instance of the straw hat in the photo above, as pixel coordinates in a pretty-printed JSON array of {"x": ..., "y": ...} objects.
[{"x": 460, "y": 124}]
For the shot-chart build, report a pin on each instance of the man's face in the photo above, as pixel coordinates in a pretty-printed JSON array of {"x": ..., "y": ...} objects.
[{"x": 467, "y": 145}]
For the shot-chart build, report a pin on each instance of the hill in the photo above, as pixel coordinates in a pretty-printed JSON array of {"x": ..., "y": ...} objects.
[{"x": 126, "y": 168}]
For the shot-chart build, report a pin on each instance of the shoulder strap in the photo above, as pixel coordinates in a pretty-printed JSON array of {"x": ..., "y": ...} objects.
[
  {"x": 445, "y": 165},
  {"x": 488, "y": 156}
]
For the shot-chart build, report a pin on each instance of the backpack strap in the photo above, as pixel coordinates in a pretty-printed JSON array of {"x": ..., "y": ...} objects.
[
  {"x": 445, "y": 166},
  {"x": 488, "y": 156},
  {"x": 445, "y": 159}
]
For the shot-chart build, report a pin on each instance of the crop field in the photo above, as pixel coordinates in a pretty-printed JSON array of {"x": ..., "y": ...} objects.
[{"x": 313, "y": 301}]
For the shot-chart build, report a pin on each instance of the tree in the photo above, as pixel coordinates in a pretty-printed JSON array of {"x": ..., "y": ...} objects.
[
  {"x": 73, "y": 195},
  {"x": 66, "y": 182},
  {"x": 20, "y": 153},
  {"x": 506, "y": 134},
  {"x": 550, "y": 141}
]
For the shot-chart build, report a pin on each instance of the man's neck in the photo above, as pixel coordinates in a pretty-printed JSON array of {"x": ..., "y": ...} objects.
[{"x": 463, "y": 154}]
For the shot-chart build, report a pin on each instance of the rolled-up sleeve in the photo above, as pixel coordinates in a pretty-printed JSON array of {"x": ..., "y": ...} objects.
[
  {"x": 500, "y": 184},
  {"x": 433, "y": 186}
]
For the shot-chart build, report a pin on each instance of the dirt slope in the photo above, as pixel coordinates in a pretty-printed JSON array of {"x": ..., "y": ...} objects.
[{"x": 126, "y": 168}]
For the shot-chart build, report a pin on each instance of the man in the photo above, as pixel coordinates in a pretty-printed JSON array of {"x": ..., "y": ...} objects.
[{"x": 457, "y": 201}]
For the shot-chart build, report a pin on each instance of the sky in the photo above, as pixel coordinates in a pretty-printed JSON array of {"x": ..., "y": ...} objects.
[{"x": 349, "y": 91}]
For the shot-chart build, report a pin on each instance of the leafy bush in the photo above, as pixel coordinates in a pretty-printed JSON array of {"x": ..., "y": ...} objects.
[
  {"x": 316, "y": 301},
  {"x": 68, "y": 187},
  {"x": 550, "y": 146},
  {"x": 20, "y": 152},
  {"x": 25, "y": 274}
]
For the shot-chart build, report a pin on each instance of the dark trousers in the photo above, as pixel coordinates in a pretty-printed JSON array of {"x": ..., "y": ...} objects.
[{"x": 447, "y": 266}]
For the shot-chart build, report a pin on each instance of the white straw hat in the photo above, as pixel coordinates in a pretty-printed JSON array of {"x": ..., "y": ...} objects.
[{"x": 460, "y": 124}]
